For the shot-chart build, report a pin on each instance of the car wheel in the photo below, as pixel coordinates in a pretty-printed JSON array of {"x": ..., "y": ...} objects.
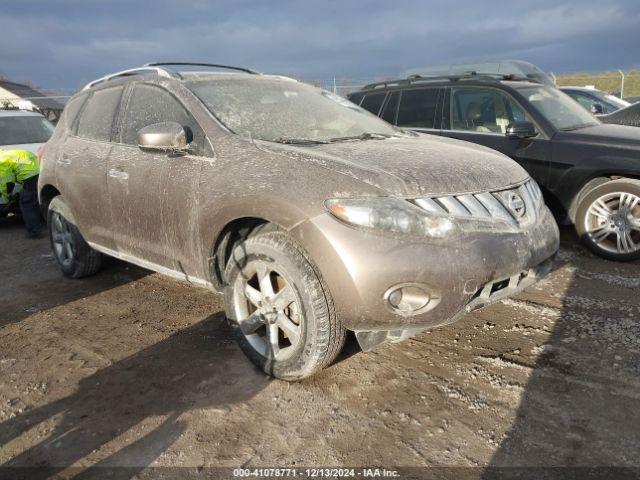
[
  {"x": 75, "y": 257},
  {"x": 281, "y": 311},
  {"x": 608, "y": 220}
]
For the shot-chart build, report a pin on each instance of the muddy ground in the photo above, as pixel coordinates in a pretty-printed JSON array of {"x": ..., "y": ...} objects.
[{"x": 128, "y": 368}]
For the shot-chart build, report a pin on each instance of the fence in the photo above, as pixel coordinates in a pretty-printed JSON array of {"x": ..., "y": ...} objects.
[{"x": 620, "y": 83}]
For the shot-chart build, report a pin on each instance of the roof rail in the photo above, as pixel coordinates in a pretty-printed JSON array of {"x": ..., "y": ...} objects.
[
  {"x": 487, "y": 77},
  {"x": 196, "y": 64},
  {"x": 162, "y": 72}
]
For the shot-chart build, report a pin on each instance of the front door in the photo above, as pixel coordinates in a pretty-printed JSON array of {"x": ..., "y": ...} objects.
[
  {"x": 152, "y": 193},
  {"x": 481, "y": 115}
]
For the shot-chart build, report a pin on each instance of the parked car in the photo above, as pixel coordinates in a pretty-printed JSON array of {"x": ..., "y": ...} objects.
[
  {"x": 312, "y": 215},
  {"x": 21, "y": 129},
  {"x": 594, "y": 100},
  {"x": 589, "y": 172}
]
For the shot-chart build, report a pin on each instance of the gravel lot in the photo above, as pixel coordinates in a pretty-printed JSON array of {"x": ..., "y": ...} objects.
[{"x": 128, "y": 368}]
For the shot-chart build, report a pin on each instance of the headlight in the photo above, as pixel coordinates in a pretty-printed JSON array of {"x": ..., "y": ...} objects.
[{"x": 388, "y": 214}]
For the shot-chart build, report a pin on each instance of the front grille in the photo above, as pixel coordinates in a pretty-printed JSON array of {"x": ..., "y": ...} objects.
[{"x": 518, "y": 206}]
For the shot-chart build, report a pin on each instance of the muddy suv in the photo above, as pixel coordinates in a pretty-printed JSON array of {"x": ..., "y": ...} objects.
[{"x": 311, "y": 214}]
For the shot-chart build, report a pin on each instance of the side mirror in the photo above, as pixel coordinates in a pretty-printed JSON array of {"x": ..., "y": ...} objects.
[
  {"x": 597, "y": 108},
  {"x": 168, "y": 137},
  {"x": 521, "y": 130}
]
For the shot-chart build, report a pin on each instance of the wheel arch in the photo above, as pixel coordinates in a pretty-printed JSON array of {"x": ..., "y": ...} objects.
[
  {"x": 233, "y": 232},
  {"x": 47, "y": 193},
  {"x": 593, "y": 182}
]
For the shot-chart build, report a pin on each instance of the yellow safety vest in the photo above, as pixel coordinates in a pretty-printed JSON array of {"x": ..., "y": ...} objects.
[{"x": 16, "y": 166}]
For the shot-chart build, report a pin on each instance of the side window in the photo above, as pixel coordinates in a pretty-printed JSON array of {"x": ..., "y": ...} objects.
[
  {"x": 584, "y": 101},
  {"x": 71, "y": 110},
  {"x": 149, "y": 104},
  {"x": 356, "y": 97},
  {"x": 483, "y": 110},
  {"x": 418, "y": 108},
  {"x": 96, "y": 119},
  {"x": 391, "y": 108},
  {"x": 373, "y": 102}
]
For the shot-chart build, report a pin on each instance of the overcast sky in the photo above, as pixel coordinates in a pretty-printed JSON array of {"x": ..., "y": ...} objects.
[{"x": 65, "y": 43}]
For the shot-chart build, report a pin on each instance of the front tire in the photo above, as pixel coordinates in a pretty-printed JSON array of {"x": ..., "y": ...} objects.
[
  {"x": 281, "y": 311},
  {"x": 73, "y": 254},
  {"x": 608, "y": 220}
]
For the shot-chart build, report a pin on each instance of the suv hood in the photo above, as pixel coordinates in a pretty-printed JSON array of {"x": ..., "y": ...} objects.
[
  {"x": 605, "y": 134},
  {"x": 414, "y": 166}
]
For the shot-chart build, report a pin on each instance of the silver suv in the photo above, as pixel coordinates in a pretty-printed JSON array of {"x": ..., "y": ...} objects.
[{"x": 312, "y": 215}]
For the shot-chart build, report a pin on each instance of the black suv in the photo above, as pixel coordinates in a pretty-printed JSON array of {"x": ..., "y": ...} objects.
[{"x": 589, "y": 171}]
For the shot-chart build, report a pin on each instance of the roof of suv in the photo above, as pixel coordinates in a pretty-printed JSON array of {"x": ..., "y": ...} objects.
[
  {"x": 473, "y": 77},
  {"x": 161, "y": 69}
]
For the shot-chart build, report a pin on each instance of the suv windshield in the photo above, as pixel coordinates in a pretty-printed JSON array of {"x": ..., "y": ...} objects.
[
  {"x": 24, "y": 129},
  {"x": 557, "y": 107},
  {"x": 286, "y": 111}
]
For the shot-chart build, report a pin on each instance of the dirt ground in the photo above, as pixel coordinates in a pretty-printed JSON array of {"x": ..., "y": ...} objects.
[{"x": 128, "y": 368}]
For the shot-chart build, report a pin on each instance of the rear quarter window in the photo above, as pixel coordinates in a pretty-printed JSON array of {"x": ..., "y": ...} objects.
[
  {"x": 391, "y": 108},
  {"x": 373, "y": 102},
  {"x": 356, "y": 97},
  {"x": 96, "y": 119},
  {"x": 71, "y": 110}
]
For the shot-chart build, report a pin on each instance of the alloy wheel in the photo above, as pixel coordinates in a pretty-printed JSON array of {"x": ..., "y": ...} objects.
[
  {"x": 63, "y": 239},
  {"x": 613, "y": 222},
  {"x": 267, "y": 310}
]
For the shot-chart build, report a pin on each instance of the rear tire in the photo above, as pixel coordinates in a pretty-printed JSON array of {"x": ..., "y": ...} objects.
[
  {"x": 608, "y": 220},
  {"x": 73, "y": 254},
  {"x": 279, "y": 308}
]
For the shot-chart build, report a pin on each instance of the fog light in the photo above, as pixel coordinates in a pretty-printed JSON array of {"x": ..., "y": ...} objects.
[{"x": 407, "y": 299}]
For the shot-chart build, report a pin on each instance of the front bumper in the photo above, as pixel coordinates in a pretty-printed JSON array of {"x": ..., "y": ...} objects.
[{"x": 360, "y": 266}]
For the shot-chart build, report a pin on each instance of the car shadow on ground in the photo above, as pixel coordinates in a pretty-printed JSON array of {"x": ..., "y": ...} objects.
[
  {"x": 25, "y": 259},
  {"x": 579, "y": 409},
  {"x": 176, "y": 375}
]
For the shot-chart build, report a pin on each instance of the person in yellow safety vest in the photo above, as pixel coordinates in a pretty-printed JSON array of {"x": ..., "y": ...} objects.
[{"x": 21, "y": 167}]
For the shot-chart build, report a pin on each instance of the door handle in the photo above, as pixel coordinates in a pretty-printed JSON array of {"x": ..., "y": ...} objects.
[
  {"x": 119, "y": 174},
  {"x": 64, "y": 161}
]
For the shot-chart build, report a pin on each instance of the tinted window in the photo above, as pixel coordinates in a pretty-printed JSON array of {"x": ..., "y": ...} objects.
[
  {"x": 24, "y": 129},
  {"x": 355, "y": 97},
  {"x": 418, "y": 108},
  {"x": 373, "y": 102},
  {"x": 391, "y": 108},
  {"x": 97, "y": 116},
  {"x": 148, "y": 105},
  {"x": 483, "y": 110}
]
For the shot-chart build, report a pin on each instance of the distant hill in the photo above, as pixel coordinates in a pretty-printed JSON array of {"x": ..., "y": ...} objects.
[{"x": 605, "y": 81}]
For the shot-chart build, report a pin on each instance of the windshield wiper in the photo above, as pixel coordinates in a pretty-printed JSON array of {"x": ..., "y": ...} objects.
[
  {"x": 577, "y": 127},
  {"x": 363, "y": 136},
  {"x": 299, "y": 141}
]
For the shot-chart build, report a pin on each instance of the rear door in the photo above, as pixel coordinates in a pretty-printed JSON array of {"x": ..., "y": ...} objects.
[
  {"x": 154, "y": 195},
  {"x": 481, "y": 115},
  {"x": 82, "y": 163}
]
